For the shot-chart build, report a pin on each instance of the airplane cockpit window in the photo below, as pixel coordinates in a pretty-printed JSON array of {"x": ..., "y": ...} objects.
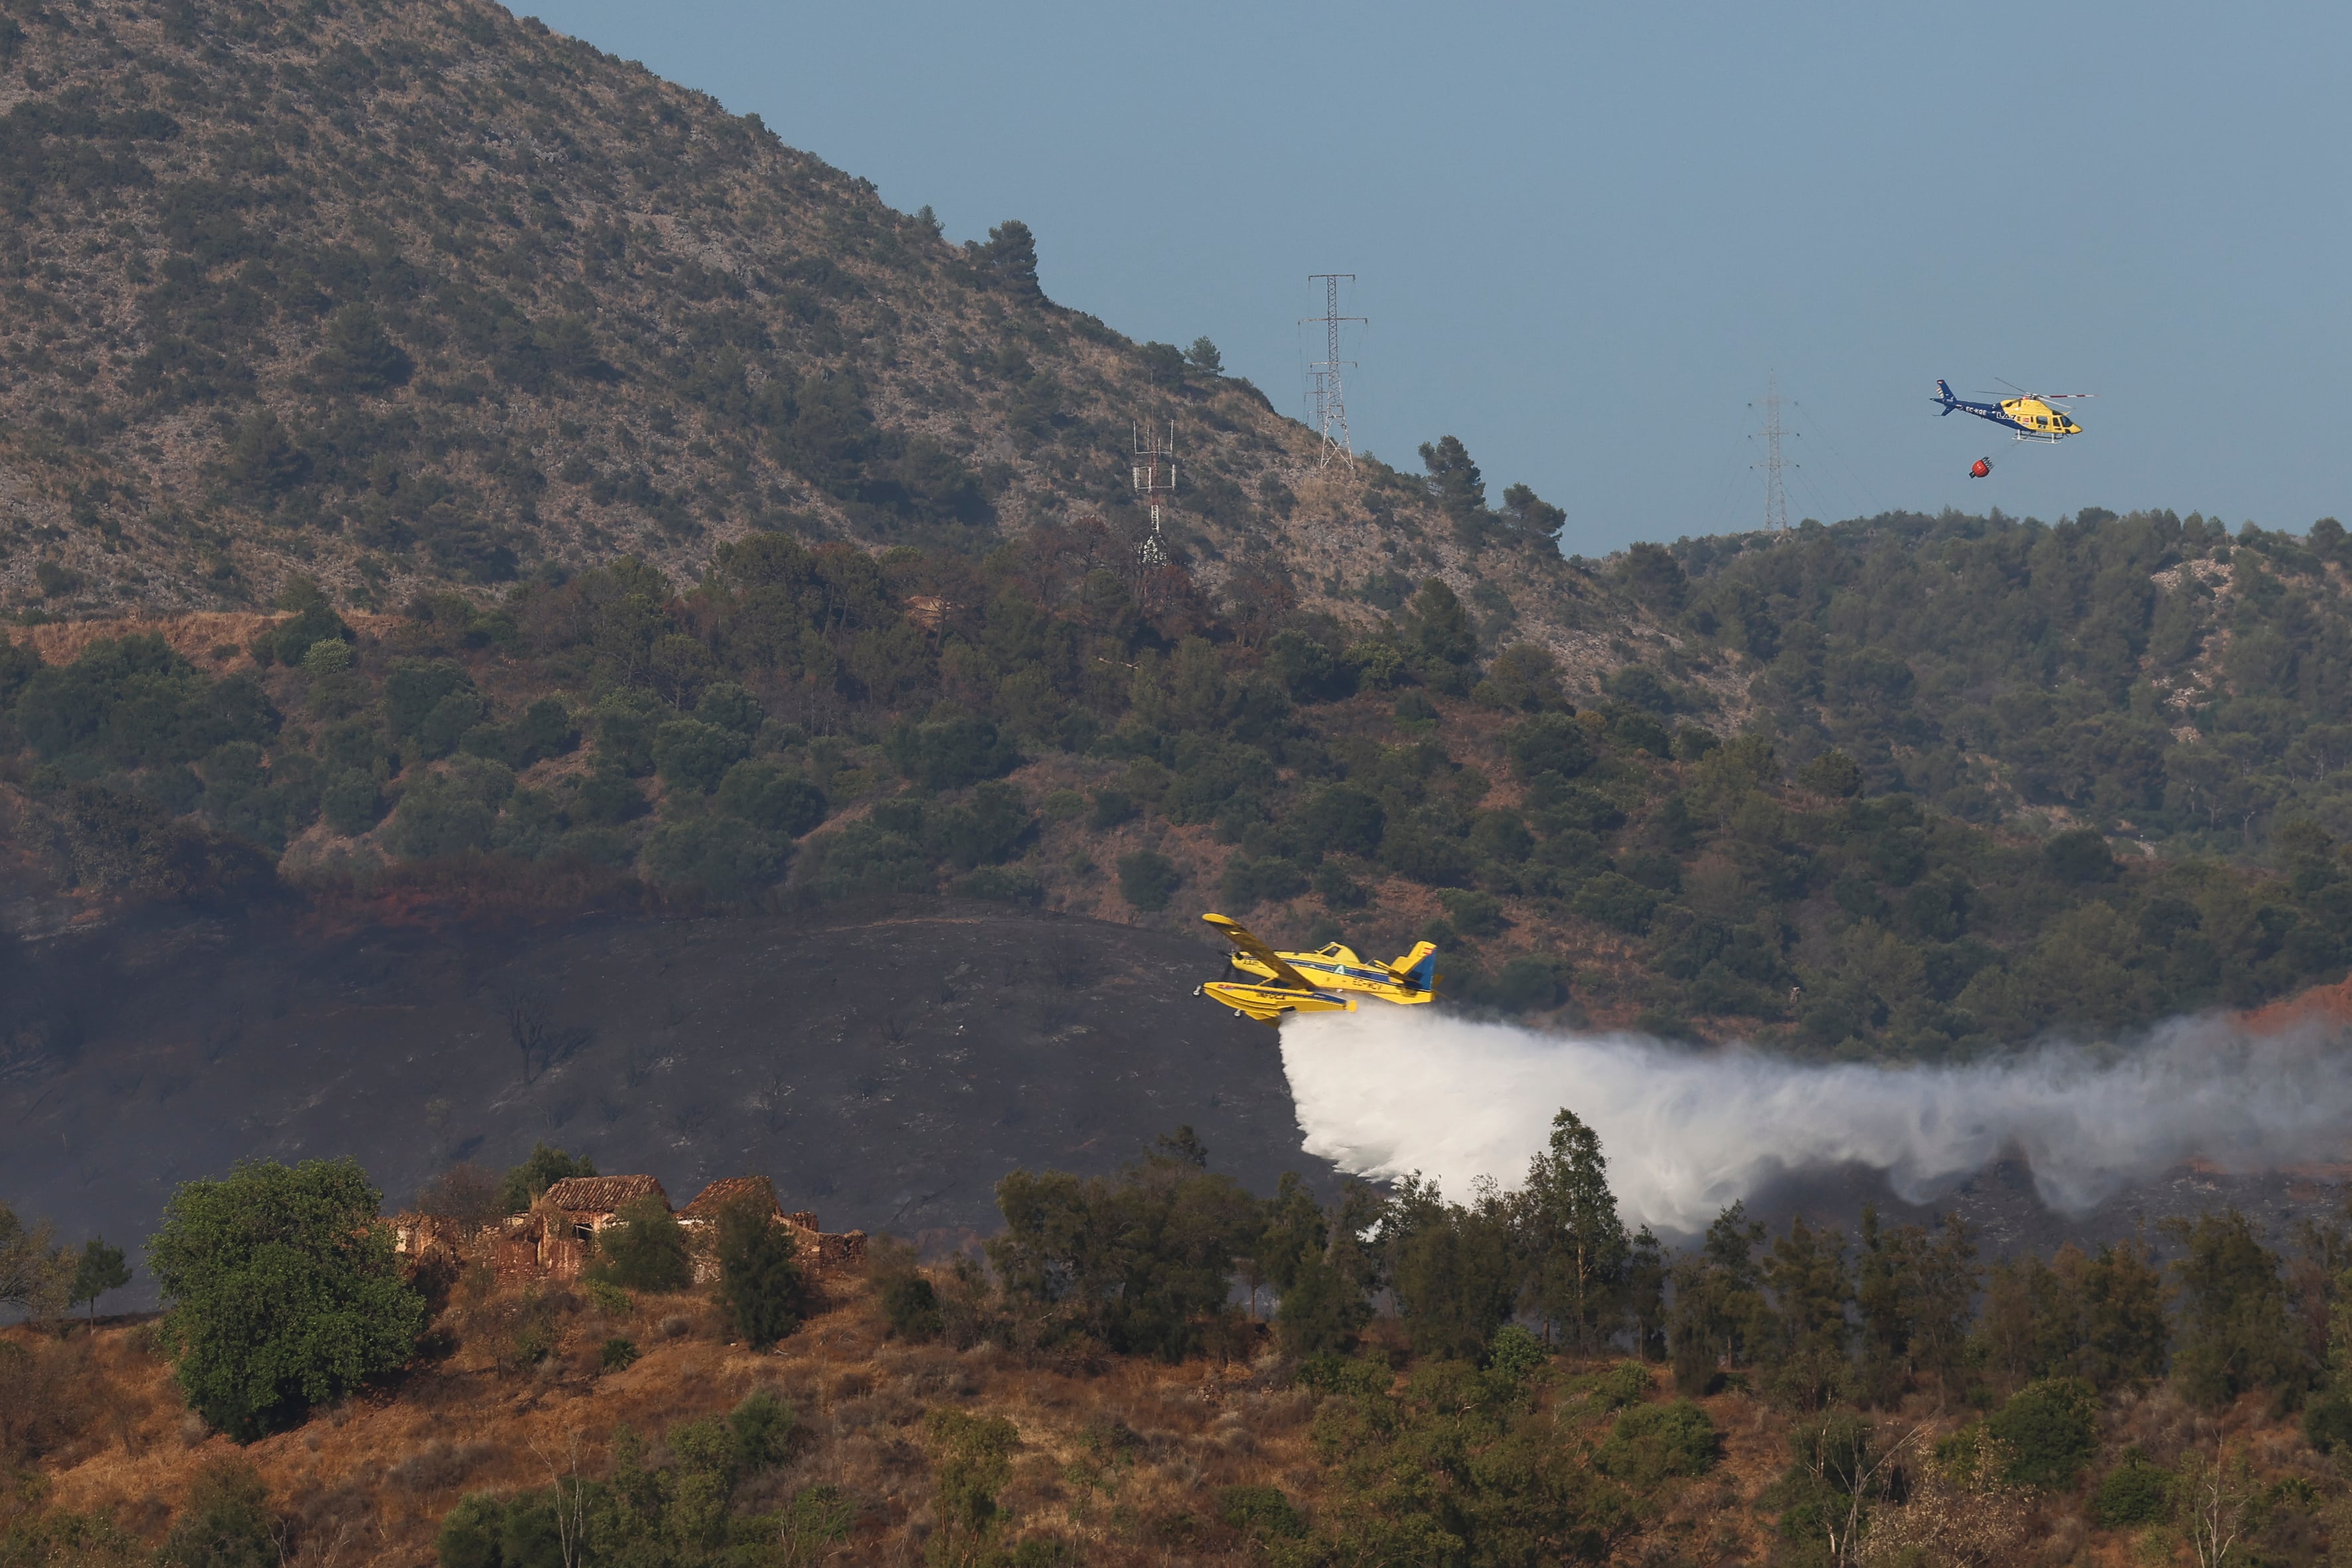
[{"x": 1332, "y": 951}]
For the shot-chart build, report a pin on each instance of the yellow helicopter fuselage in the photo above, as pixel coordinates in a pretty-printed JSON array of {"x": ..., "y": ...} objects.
[{"x": 2037, "y": 421}]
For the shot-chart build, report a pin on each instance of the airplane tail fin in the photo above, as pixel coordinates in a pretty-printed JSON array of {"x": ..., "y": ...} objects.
[
  {"x": 1947, "y": 400},
  {"x": 1418, "y": 968}
]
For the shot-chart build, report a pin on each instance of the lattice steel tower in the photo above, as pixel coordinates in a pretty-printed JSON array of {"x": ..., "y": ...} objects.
[
  {"x": 1776, "y": 497},
  {"x": 1330, "y": 400},
  {"x": 1155, "y": 478}
]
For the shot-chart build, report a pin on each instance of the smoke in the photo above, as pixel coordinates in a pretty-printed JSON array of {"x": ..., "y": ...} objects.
[{"x": 1385, "y": 1092}]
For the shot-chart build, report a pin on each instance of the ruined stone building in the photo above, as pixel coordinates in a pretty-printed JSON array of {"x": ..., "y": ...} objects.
[{"x": 556, "y": 1239}]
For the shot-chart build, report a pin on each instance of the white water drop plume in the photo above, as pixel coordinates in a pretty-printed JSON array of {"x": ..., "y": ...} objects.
[{"x": 1385, "y": 1092}]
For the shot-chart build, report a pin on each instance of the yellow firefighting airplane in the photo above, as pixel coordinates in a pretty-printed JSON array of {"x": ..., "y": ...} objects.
[{"x": 1316, "y": 981}]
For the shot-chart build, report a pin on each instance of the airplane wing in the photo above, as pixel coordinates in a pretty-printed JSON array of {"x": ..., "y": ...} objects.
[{"x": 1239, "y": 935}]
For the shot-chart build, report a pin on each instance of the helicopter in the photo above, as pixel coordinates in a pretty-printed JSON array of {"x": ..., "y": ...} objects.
[{"x": 2029, "y": 414}]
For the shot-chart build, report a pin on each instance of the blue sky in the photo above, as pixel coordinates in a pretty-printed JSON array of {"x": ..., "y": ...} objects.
[{"x": 1584, "y": 235}]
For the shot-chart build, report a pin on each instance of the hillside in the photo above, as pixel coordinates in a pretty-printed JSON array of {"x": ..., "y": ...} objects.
[
  {"x": 2154, "y": 677},
  {"x": 416, "y": 295},
  {"x": 884, "y": 1067},
  {"x": 447, "y": 463},
  {"x": 1799, "y": 1397}
]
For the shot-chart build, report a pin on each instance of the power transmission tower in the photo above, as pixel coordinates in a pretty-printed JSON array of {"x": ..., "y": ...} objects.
[
  {"x": 1155, "y": 477},
  {"x": 1330, "y": 401},
  {"x": 1776, "y": 497}
]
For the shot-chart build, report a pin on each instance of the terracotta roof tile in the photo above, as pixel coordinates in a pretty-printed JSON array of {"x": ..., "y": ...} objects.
[{"x": 603, "y": 1194}]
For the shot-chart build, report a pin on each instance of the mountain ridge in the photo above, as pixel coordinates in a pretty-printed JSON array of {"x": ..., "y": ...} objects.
[{"x": 405, "y": 297}]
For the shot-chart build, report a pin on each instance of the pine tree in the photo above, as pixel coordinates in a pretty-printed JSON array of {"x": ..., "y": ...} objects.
[
  {"x": 1454, "y": 478},
  {"x": 1719, "y": 1313},
  {"x": 1575, "y": 1242},
  {"x": 1807, "y": 1272},
  {"x": 101, "y": 1269}
]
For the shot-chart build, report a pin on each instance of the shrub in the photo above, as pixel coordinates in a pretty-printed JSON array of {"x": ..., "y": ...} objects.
[
  {"x": 1617, "y": 902},
  {"x": 415, "y": 688},
  {"x": 1111, "y": 807},
  {"x": 722, "y": 856},
  {"x": 1651, "y": 1442},
  {"x": 1338, "y": 818},
  {"x": 1327, "y": 1373},
  {"x": 1549, "y": 743},
  {"x": 2134, "y": 1492},
  {"x": 1833, "y": 774},
  {"x": 609, "y": 795},
  {"x": 1322, "y": 1311},
  {"x": 1248, "y": 882},
  {"x": 866, "y": 857},
  {"x": 950, "y": 753},
  {"x": 1263, "y": 1513},
  {"x": 283, "y": 1291},
  {"x": 353, "y": 802},
  {"x": 772, "y": 798},
  {"x": 1148, "y": 880},
  {"x": 731, "y": 707},
  {"x": 910, "y": 1304},
  {"x": 984, "y": 831},
  {"x": 226, "y": 1523},
  {"x": 1528, "y": 984},
  {"x": 972, "y": 1456},
  {"x": 1472, "y": 914},
  {"x": 691, "y": 754},
  {"x": 2049, "y": 1430},
  {"x": 760, "y": 1280},
  {"x": 644, "y": 1248},
  {"x": 1015, "y": 885},
  {"x": 618, "y": 1354},
  {"x": 1627, "y": 1383},
  {"x": 2327, "y": 1422},
  {"x": 438, "y": 817},
  {"x": 2080, "y": 856}
]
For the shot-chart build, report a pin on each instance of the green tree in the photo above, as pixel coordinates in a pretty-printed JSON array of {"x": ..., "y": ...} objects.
[
  {"x": 1454, "y": 481},
  {"x": 1530, "y": 513},
  {"x": 760, "y": 1279},
  {"x": 1142, "y": 1263},
  {"x": 1454, "y": 1268},
  {"x": 2049, "y": 1429},
  {"x": 37, "y": 1275},
  {"x": 642, "y": 1248},
  {"x": 2233, "y": 1333},
  {"x": 1009, "y": 260},
  {"x": 1204, "y": 357},
  {"x": 1720, "y": 1316},
  {"x": 545, "y": 1166},
  {"x": 101, "y": 1269},
  {"x": 1806, "y": 1353},
  {"x": 1574, "y": 1243},
  {"x": 1439, "y": 627},
  {"x": 281, "y": 1292}
]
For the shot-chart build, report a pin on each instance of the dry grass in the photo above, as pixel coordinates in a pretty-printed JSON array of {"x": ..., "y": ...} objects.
[
  {"x": 1123, "y": 1463},
  {"x": 1121, "y": 1460}
]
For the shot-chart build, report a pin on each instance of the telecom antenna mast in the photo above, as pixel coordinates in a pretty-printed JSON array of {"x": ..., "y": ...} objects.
[
  {"x": 1330, "y": 401},
  {"x": 1776, "y": 497},
  {"x": 1155, "y": 478}
]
